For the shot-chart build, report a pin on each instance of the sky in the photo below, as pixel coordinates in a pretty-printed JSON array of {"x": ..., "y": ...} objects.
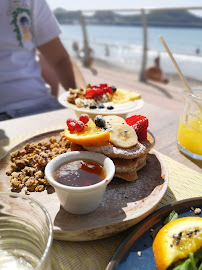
[{"x": 122, "y": 4}]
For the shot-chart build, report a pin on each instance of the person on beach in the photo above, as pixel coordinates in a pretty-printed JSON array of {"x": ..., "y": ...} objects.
[
  {"x": 28, "y": 27},
  {"x": 88, "y": 59},
  {"x": 90, "y": 56},
  {"x": 75, "y": 48},
  {"x": 198, "y": 51},
  {"x": 155, "y": 73}
]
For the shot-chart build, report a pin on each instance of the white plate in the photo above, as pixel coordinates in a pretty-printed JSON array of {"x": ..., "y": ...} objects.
[{"x": 119, "y": 109}]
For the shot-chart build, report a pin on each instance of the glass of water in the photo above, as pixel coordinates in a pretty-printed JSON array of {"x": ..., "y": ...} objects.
[{"x": 26, "y": 233}]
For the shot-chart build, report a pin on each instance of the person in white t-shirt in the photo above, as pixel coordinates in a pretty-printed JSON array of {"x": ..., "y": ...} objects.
[{"x": 27, "y": 26}]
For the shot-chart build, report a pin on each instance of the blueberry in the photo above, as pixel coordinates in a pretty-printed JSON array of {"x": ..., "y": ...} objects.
[
  {"x": 93, "y": 107},
  {"x": 113, "y": 88},
  {"x": 99, "y": 121},
  {"x": 110, "y": 107},
  {"x": 101, "y": 106}
]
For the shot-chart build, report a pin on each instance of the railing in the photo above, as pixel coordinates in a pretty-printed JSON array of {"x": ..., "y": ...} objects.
[{"x": 144, "y": 32}]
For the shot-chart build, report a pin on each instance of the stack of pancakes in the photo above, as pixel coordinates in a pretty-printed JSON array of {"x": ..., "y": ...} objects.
[{"x": 127, "y": 161}]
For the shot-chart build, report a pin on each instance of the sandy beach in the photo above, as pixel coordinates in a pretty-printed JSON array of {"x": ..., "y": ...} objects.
[{"x": 167, "y": 96}]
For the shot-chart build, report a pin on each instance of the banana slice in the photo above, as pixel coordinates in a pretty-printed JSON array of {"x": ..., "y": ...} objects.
[
  {"x": 110, "y": 119},
  {"x": 121, "y": 134}
]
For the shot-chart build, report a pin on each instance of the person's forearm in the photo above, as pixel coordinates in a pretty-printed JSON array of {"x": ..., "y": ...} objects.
[
  {"x": 65, "y": 73},
  {"x": 69, "y": 74},
  {"x": 66, "y": 69},
  {"x": 79, "y": 79}
]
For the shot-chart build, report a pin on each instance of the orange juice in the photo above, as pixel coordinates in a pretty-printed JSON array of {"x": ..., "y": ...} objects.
[{"x": 190, "y": 134}]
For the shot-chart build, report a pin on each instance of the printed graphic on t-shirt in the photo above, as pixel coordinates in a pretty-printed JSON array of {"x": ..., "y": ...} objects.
[
  {"x": 21, "y": 19},
  {"x": 14, "y": 4}
]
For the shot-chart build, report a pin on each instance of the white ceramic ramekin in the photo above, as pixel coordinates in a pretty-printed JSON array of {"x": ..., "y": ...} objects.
[{"x": 80, "y": 200}]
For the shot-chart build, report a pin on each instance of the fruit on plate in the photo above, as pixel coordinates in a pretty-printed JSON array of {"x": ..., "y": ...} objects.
[
  {"x": 112, "y": 136},
  {"x": 123, "y": 96},
  {"x": 110, "y": 119},
  {"x": 121, "y": 134},
  {"x": 79, "y": 125},
  {"x": 90, "y": 135},
  {"x": 140, "y": 124},
  {"x": 84, "y": 118},
  {"x": 98, "y": 90},
  {"x": 176, "y": 240},
  {"x": 104, "y": 129},
  {"x": 134, "y": 95},
  {"x": 96, "y": 96}
]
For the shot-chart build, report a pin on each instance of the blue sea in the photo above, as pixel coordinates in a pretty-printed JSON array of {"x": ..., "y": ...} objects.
[{"x": 122, "y": 46}]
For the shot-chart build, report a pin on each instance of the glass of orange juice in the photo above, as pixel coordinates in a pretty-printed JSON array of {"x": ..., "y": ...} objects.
[{"x": 189, "y": 136}]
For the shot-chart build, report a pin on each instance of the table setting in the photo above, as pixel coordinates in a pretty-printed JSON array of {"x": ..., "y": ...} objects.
[{"x": 103, "y": 237}]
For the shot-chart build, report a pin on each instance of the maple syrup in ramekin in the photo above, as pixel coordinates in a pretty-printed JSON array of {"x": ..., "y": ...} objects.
[{"x": 80, "y": 173}]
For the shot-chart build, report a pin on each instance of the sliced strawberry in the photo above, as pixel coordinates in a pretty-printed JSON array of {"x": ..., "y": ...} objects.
[
  {"x": 103, "y": 85},
  {"x": 94, "y": 92},
  {"x": 98, "y": 90},
  {"x": 89, "y": 93},
  {"x": 95, "y": 88},
  {"x": 140, "y": 124},
  {"x": 105, "y": 90},
  {"x": 110, "y": 90}
]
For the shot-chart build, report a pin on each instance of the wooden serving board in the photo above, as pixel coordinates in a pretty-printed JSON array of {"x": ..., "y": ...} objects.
[{"x": 124, "y": 203}]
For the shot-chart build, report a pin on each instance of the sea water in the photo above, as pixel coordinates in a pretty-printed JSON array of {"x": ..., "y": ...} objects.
[{"x": 122, "y": 46}]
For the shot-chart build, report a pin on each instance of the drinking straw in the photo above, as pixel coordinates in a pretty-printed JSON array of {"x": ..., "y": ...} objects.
[
  {"x": 187, "y": 87},
  {"x": 176, "y": 65}
]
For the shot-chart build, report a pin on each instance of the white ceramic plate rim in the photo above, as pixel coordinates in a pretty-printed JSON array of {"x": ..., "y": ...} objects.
[{"x": 136, "y": 105}]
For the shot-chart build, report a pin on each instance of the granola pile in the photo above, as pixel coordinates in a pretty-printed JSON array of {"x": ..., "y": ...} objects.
[{"x": 27, "y": 167}]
